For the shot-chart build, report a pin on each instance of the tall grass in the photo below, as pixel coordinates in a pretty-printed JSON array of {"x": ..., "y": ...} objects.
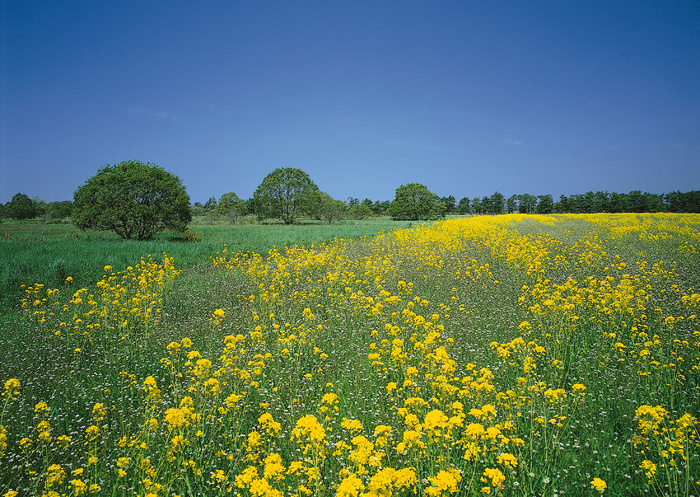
[{"x": 518, "y": 355}]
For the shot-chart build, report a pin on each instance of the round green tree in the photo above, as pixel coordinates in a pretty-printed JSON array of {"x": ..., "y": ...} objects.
[
  {"x": 21, "y": 207},
  {"x": 415, "y": 202},
  {"x": 286, "y": 193},
  {"x": 231, "y": 207},
  {"x": 132, "y": 199}
]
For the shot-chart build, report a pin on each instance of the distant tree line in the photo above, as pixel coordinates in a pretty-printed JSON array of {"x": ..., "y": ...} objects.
[
  {"x": 352, "y": 208},
  {"x": 23, "y": 207},
  {"x": 137, "y": 200},
  {"x": 590, "y": 202},
  {"x": 429, "y": 206},
  {"x": 230, "y": 207}
]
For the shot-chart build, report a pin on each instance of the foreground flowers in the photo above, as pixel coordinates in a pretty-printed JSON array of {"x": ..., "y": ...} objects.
[{"x": 469, "y": 356}]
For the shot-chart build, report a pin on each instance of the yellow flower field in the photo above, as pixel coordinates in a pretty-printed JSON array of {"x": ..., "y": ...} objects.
[{"x": 507, "y": 355}]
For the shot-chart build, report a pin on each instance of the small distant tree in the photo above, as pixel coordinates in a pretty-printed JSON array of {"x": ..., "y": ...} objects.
[
  {"x": 360, "y": 212},
  {"x": 563, "y": 205},
  {"x": 197, "y": 210},
  {"x": 415, "y": 202},
  {"x": 381, "y": 207},
  {"x": 286, "y": 193},
  {"x": 250, "y": 206},
  {"x": 231, "y": 207},
  {"x": 655, "y": 202},
  {"x": 692, "y": 201},
  {"x": 618, "y": 203},
  {"x": 210, "y": 204},
  {"x": 545, "y": 204},
  {"x": 21, "y": 207},
  {"x": 39, "y": 206},
  {"x": 591, "y": 202},
  {"x": 132, "y": 199},
  {"x": 602, "y": 201},
  {"x": 675, "y": 201},
  {"x": 330, "y": 209},
  {"x": 59, "y": 210},
  {"x": 450, "y": 203},
  {"x": 496, "y": 203},
  {"x": 463, "y": 205},
  {"x": 526, "y": 203},
  {"x": 511, "y": 204}
]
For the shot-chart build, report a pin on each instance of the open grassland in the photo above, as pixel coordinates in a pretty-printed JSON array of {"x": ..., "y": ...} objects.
[
  {"x": 48, "y": 253},
  {"x": 516, "y": 355}
]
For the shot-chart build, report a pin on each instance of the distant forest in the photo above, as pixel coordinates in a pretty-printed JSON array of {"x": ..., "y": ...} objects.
[
  {"x": 590, "y": 202},
  {"x": 23, "y": 207}
]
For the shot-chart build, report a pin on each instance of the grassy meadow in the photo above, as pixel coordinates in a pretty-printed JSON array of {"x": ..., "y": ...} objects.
[
  {"x": 509, "y": 355},
  {"x": 31, "y": 251}
]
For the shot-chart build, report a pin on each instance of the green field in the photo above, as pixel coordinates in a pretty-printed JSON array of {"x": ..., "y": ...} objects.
[
  {"x": 48, "y": 253},
  {"x": 514, "y": 355}
]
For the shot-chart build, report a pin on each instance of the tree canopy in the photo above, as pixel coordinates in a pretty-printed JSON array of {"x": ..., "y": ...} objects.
[
  {"x": 132, "y": 199},
  {"x": 231, "y": 207},
  {"x": 285, "y": 194},
  {"x": 21, "y": 207},
  {"x": 328, "y": 208},
  {"x": 415, "y": 202}
]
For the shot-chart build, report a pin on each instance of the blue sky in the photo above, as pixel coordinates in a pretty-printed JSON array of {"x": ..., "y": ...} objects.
[{"x": 466, "y": 97}]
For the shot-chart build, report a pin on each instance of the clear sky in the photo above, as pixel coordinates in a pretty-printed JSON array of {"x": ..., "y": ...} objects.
[{"x": 467, "y": 97}]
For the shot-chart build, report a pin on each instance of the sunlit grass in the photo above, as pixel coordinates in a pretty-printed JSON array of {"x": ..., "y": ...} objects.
[
  {"x": 46, "y": 253},
  {"x": 518, "y": 355}
]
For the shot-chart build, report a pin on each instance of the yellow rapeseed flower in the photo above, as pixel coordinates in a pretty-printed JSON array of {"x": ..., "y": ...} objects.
[
  {"x": 649, "y": 468},
  {"x": 91, "y": 432},
  {"x": 268, "y": 423},
  {"x": 446, "y": 480},
  {"x": 3, "y": 440},
  {"x": 219, "y": 476},
  {"x": 351, "y": 486},
  {"x": 11, "y": 388},
  {"x": 508, "y": 460},
  {"x": 274, "y": 469},
  {"x": 79, "y": 487},
  {"x": 54, "y": 476},
  {"x": 599, "y": 485},
  {"x": 494, "y": 477},
  {"x": 99, "y": 412},
  {"x": 354, "y": 426},
  {"x": 175, "y": 417}
]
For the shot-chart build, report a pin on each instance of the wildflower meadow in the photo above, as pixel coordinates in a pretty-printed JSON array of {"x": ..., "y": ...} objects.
[{"x": 499, "y": 355}]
